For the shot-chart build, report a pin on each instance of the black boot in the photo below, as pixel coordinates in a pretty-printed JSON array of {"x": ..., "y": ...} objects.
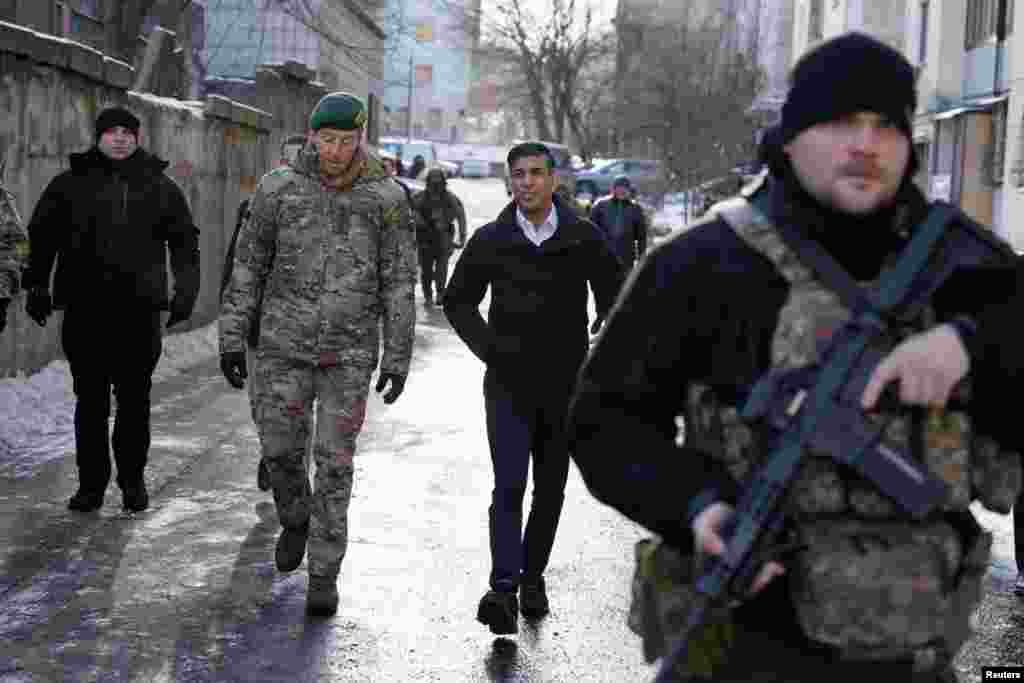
[
  {"x": 322, "y": 596},
  {"x": 86, "y": 500},
  {"x": 263, "y": 476},
  {"x": 135, "y": 498},
  {"x": 291, "y": 547},
  {"x": 533, "y": 599}
]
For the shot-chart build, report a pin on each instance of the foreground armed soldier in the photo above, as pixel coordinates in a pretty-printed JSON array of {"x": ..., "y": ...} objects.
[
  {"x": 865, "y": 589},
  {"x": 13, "y": 250},
  {"x": 329, "y": 251},
  {"x": 437, "y": 210}
]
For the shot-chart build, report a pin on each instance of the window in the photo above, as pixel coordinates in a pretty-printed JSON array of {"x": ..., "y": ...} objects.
[
  {"x": 922, "y": 37},
  {"x": 816, "y": 22},
  {"x": 424, "y": 74},
  {"x": 425, "y": 31},
  {"x": 982, "y": 22},
  {"x": 998, "y": 143},
  {"x": 1017, "y": 172}
]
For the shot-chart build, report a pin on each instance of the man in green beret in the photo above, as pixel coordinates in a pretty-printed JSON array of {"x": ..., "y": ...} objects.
[{"x": 326, "y": 264}]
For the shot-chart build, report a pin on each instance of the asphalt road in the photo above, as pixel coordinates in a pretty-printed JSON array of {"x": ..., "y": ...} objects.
[{"x": 187, "y": 591}]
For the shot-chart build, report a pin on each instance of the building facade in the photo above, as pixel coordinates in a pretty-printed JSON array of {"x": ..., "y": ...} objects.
[
  {"x": 339, "y": 39},
  {"x": 429, "y": 73}
]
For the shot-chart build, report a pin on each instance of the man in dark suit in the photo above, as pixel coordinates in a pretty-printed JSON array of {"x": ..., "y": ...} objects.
[{"x": 538, "y": 258}]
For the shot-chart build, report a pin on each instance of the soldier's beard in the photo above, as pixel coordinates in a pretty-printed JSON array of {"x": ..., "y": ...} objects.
[{"x": 343, "y": 180}]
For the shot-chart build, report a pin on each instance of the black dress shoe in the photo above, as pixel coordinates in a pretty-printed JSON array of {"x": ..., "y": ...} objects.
[
  {"x": 291, "y": 546},
  {"x": 135, "y": 498},
  {"x": 497, "y": 610},
  {"x": 533, "y": 599},
  {"x": 322, "y": 596},
  {"x": 86, "y": 501}
]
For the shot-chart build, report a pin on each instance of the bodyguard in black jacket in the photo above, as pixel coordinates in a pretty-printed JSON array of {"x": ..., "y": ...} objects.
[
  {"x": 109, "y": 223},
  {"x": 537, "y": 258}
]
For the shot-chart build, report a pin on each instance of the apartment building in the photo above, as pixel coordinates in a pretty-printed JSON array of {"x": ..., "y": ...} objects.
[{"x": 429, "y": 74}]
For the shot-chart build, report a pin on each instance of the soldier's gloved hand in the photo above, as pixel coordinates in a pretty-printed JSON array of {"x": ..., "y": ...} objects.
[
  {"x": 707, "y": 539},
  {"x": 181, "y": 309},
  {"x": 232, "y": 364},
  {"x": 39, "y": 305},
  {"x": 597, "y": 325},
  {"x": 397, "y": 385},
  {"x": 3, "y": 313},
  {"x": 927, "y": 366}
]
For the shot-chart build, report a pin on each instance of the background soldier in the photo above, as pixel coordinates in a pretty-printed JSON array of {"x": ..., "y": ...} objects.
[
  {"x": 868, "y": 589},
  {"x": 622, "y": 221},
  {"x": 437, "y": 210},
  {"x": 13, "y": 249},
  {"x": 325, "y": 258},
  {"x": 109, "y": 223}
]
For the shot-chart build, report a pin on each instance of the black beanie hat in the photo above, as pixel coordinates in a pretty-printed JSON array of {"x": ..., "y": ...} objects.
[
  {"x": 852, "y": 72},
  {"x": 116, "y": 116}
]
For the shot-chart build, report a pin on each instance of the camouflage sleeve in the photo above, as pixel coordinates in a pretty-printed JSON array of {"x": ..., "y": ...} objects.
[
  {"x": 13, "y": 246},
  {"x": 254, "y": 256},
  {"x": 397, "y": 267}
]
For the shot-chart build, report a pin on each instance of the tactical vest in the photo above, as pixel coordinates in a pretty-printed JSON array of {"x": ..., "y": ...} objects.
[{"x": 870, "y": 579}]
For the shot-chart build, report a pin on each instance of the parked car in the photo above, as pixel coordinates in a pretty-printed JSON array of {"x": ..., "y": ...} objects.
[
  {"x": 476, "y": 168},
  {"x": 597, "y": 180}
]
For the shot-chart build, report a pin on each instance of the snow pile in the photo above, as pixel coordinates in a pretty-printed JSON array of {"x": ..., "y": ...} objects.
[{"x": 37, "y": 412}]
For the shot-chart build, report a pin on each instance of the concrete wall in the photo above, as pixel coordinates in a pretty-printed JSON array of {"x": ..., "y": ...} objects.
[{"x": 50, "y": 92}]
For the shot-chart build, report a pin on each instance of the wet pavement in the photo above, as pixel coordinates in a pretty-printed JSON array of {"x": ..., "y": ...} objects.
[{"x": 187, "y": 590}]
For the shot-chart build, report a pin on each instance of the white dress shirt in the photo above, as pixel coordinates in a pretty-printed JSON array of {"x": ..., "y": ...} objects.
[{"x": 538, "y": 233}]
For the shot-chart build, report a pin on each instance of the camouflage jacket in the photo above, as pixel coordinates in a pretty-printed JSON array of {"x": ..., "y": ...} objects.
[
  {"x": 321, "y": 269},
  {"x": 13, "y": 246}
]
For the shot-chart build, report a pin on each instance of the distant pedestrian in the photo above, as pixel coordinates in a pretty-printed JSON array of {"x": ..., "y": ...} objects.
[
  {"x": 326, "y": 261},
  {"x": 437, "y": 210},
  {"x": 622, "y": 221},
  {"x": 537, "y": 258},
  {"x": 418, "y": 164},
  {"x": 108, "y": 223}
]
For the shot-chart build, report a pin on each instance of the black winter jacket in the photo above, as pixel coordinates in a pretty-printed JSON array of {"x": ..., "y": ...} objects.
[
  {"x": 536, "y": 328},
  {"x": 109, "y": 225},
  {"x": 628, "y": 236}
]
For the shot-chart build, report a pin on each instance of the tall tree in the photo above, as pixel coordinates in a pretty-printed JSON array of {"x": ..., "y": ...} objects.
[{"x": 691, "y": 95}]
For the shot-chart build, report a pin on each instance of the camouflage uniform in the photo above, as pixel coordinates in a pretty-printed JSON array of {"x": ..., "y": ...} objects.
[
  {"x": 13, "y": 246},
  {"x": 329, "y": 267}
]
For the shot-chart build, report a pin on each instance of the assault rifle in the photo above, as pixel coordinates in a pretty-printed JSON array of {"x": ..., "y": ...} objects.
[{"x": 818, "y": 407}]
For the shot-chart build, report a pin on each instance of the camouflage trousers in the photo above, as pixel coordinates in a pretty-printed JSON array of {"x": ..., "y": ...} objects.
[{"x": 284, "y": 391}]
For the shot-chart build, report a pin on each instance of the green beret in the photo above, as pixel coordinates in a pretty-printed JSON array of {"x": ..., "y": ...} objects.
[{"x": 340, "y": 110}]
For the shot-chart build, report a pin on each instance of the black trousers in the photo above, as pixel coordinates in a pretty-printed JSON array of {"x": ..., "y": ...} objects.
[
  {"x": 111, "y": 349},
  {"x": 434, "y": 255},
  {"x": 521, "y": 425}
]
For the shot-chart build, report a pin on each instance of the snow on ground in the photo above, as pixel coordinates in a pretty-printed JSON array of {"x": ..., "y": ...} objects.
[{"x": 37, "y": 412}]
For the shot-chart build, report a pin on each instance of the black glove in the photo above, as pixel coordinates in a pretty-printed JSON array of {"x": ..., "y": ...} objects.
[
  {"x": 232, "y": 364},
  {"x": 3, "y": 313},
  {"x": 181, "y": 310},
  {"x": 397, "y": 385},
  {"x": 596, "y": 326},
  {"x": 39, "y": 305}
]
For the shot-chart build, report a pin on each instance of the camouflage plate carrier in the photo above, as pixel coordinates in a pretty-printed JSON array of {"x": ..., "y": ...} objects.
[{"x": 871, "y": 581}]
